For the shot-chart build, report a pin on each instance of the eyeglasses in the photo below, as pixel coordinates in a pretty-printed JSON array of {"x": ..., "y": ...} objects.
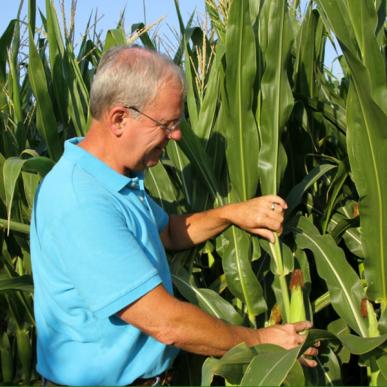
[{"x": 168, "y": 128}]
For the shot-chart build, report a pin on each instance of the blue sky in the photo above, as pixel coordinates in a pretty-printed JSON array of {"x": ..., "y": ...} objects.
[{"x": 109, "y": 12}]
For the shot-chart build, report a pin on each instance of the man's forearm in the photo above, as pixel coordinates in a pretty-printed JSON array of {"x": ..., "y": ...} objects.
[
  {"x": 178, "y": 323},
  {"x": 185, "y": 231},
  {"x": 174, "y": 322},
  {"x": 195, "y": 331},
  {"x": 260, "y": 216}
]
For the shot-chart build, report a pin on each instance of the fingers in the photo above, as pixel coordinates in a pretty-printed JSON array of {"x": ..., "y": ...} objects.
[
  {"x": 307, "y": 362},
  {"x": 302, "y": 325},
  {"x": 280, "y": 203},
  {"x": 265, "y": 233},
  {"x": 311, "y": 351},
  {"x": 260, "y": 215}
]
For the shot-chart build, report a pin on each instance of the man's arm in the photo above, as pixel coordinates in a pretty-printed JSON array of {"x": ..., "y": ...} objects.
[
  {"x": 185, "y": 326},
  {"x": 255, "y": 215}
]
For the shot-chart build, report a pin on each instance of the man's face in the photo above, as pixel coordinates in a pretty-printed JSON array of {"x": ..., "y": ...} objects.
[{"x": 147, "y": 138}]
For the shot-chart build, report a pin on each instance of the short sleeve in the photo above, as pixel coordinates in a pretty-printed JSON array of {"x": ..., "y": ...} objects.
[
  {"x": 160, "y": 215},
  {"x": 102, "y": 257}
]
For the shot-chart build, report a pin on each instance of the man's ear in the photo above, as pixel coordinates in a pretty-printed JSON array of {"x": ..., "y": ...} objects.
[{"x": 117, "y": 117}]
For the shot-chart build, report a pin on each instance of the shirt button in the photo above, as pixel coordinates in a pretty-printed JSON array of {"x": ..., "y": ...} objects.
[{"x": 133, "y": 185}]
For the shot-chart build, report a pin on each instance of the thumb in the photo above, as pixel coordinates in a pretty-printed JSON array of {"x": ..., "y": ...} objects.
[
  {"x": 302, "y": 325},
  {"x": 265, "y": 233}
]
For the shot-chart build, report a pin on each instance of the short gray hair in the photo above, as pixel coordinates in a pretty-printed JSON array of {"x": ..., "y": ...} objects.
[{"x": 130, "y": 75}]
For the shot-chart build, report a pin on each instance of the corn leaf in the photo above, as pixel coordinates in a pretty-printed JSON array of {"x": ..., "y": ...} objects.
[
  {"x": 270, "y": 368},
  {"x": 241, "y": 133},
  {"x": 345, "y": 291},
  {"x": 230, "y": 365},
  {"x": 192, "y": 147},
  {"x": 6, "y": 358},
  {"x": 366, "y": 134},
  {"x": 183, "y": 168},
  {"x": 208, "y": 300},
  {"x": 114, "y": 37},
  {"x": 15, "y": 226},
  {"x": 46, "y": 121},
  {"x": 276, "y": 98},
  {"x": 22, "y": 283},
  {"x": 161, "y": 188},
  {"x": 361, "y": 345},
  {"x": 25, "y": 354},
  {"x": 11, "y": 171},
  {"x": 32, "y": 15},
  {"x": 297, "y": 192},
  {"x": 5, "y": 42},
  {"x": 240, "y": 276}
]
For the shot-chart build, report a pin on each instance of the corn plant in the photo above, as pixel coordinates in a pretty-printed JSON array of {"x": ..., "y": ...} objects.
[{"x": 263, "y": 116}]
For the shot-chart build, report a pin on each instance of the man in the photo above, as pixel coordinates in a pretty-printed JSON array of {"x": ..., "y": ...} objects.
[{"x": 104, "y": 305}]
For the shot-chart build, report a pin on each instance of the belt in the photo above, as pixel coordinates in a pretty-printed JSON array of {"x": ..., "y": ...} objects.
[{"x": 163, "y": 379}]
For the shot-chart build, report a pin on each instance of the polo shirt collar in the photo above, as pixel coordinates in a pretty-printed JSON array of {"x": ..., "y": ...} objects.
[{"x": 107, "y": 176}]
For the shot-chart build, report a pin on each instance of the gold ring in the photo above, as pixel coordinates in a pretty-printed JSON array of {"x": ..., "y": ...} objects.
[{"x": 273, "y": 206}]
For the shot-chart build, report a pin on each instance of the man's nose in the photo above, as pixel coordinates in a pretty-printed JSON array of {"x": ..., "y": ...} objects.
[{"x": 175, "y": 135}]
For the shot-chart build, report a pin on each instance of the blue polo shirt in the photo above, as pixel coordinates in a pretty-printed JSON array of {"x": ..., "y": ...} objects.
[{"x": 95, "y": 249}]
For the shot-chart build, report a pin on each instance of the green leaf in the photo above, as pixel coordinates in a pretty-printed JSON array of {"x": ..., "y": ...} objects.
[
  {"x": 15, "y": 226},
  {"x": 78, "y": 94},
  {"x": 241, "y": 133},
  {"x": 23, "y": 283},
  {"x": 355, "y": 26},
  {"x": 32, "y": 15},
  {"x": 270, "y": 368},
  {"x": 160, "y": 186},
  {"x": 321, "y": 335},
  {"x": 208, "y": 300},
  {"x": 344, "y": 285},
  {"x": 240, "y": 277},
  {"x": 382, "y": 364},
  {"x": 114, "y": 37},
  {"x": 25, "y": 354},
  {"x": 230, "y": 365},
  {"x": 277, "y": 99},
  {"x": 297, "y": 192},
  {"x": 11, "y": 171},
  {"x": 207, "y": 111},
  {"x": 295, "y": 377},
  {"x": 145, "y": 39},
  {"x": 194, "y": 150},
  {"x": 46, "y": 121},
  {"x": 329, "y": 366},
  {"x": 183, "y": 168},
  {"x": 306, "y": 63},
  {"x": 361, "y": 345},
  {"x": 5, "y": 42},
  {"x": 366, "y": 145},
  {"x": 6, "y": 359}
]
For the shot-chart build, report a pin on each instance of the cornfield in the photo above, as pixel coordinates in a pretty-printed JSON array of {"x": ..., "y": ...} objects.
[{"x": 263, "y": 115}]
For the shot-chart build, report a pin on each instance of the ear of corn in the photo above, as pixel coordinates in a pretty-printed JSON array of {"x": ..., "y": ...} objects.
[{"x": 297, "y": 306}]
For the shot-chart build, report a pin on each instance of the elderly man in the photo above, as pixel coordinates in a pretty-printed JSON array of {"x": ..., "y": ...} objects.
[{"x": 104, "y": 304}]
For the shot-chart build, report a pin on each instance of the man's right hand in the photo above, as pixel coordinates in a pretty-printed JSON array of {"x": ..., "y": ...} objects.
[{"x": 289, "y": 336}]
